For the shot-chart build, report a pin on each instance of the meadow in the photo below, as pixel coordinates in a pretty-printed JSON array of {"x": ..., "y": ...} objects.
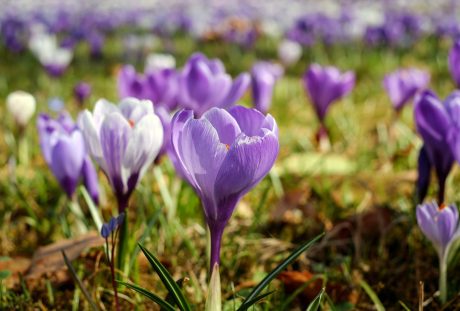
[{"x": 360, "y": 192}]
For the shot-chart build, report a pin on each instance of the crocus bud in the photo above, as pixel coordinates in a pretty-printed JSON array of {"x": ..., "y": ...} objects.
[
  {"x": 21, "y": 105},
  {"x": 454, "y": 62},
  {"x": 81, "y": 92},
  {"x": 64, "y": 151},
  {"x": 223, "y": 155},
  {"x": 439, "y": 223},
  {"x": 205, "y": 84},
  {"x": 124, "y": 140},
  {"x": 289, "y": 52},
  {"x": 434, "y": 124},
  {"x": 325, "y": 85},
  {"x": 403, "y": 84},
  {"x": 263, "y": 78}
]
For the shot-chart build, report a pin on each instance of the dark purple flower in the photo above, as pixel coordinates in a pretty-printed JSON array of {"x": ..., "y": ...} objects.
[
  {"x": 105, "y": 231},
  {"x": 223, "y": 155},
  {"x": 454, "y": 62},
  {"x": 436, "y": 125},
  {"x": 402, "y": 85},
  {"x": 263, "y": 78},
  {"x": 64, "y": 151},
  {"x": 81, "y": 91},
  {"x": 205, "y": 84},
  {"x": 424, "y": 175},
  {"x": 325, "y": 85}
]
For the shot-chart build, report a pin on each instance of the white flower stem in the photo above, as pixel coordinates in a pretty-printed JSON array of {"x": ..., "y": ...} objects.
[
  {"x": 214, "y": 299},
  {"x": 443, "y": 278},
  {"x": 79, "y": 216}
]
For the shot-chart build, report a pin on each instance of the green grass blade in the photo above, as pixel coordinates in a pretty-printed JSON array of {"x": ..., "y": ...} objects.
[
  {"x": 255, "y": 300},
  {"x": 94, "y": 211},
  {"x": 314, "y": 305},
  {"x": 79, "y": 282},
  {"x": 256, "y": 291},
  {"x": 158, "y": 300},
  {"x": 372, "y": 295},
  {"x": 167, "y": 280}
]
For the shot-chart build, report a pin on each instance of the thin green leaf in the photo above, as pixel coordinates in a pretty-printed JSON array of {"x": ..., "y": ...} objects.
[
  {"x": 158, "y": 300},
  {"x": 314, "y": 305},
  {"x": 372, "y": 295},
  {"x": 94, "y": 211},
  {"x": 79, "y": 282},
  {"x": 167, "y": 280},
  {"x": 255, "y": 300},
  {"x": 256, "y": 291},
  {"x": 404, "y": 305}
]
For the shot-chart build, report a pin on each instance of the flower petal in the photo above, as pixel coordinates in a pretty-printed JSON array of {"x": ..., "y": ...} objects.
[
  {"x": 247, "y": 162},
  {"x": 143, "y": 146},
  {"x": 226, "y": 126}
]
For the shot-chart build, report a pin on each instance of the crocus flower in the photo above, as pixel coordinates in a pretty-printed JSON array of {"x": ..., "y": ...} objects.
[
  {"x": 402, "y": 85},
  {"x": 162, "y": 87},
  {"x": 454, "y": 62},
  {"x": 289, "y": 52},
  {"x": 205, "y": 84},
  {"x": 81, "y": 91},
  {"x": 326, "y": 85},
  {"x": 124, "y": 140},
  {"x": 223, "y": 155},
  {"x": 436, "y": 123},
  {"x": 440, "y": 225},
  {"x": 130, "y": 83},
  {"x": 54, "y": 58},
  {"x": 64, "y": 151},
  {"x": 263, "y": 78},
  {"x": 21, "y": 105}
]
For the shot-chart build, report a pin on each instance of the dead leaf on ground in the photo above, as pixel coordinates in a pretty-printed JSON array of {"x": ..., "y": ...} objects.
[{"x": 49, "y": 258}]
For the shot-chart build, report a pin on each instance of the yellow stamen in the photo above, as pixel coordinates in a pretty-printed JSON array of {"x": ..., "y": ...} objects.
[
  {"x": 227, "y": 146},
  {"x": 131, "y": 123}
]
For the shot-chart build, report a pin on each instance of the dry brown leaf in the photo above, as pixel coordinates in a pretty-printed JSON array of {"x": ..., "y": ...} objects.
[{"x": 48, "y": 259}]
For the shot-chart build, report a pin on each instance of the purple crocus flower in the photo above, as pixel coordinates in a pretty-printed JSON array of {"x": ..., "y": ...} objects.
[
  {"x": 223, "y": 155},
  {"x": 440, "y": 225},
  {"x": 326, "y": 85},
  {"x": 205, "y": 84},
  {"x": 437, "y": 123},
  {"x": 162, "y": 87},
  {"x": 64, "y": 151},
  {"x": 81, "y": 92},
  {"x": 124, "y": 140},
  {"x": 130, "y": 83},
  {"x": 263, "y": 78},
  {"x": 454, "y": 62},
  {"x": 402, "y": 85}
]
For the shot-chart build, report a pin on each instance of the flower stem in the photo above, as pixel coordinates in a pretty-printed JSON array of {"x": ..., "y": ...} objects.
[
  {"x": 76, "y": 210},
  {"x": 122, "y": 244},
  {"x": 443, "y": 278},
  {"x": 216, "y": 232},
  {"x": 112, "y": 272}
]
